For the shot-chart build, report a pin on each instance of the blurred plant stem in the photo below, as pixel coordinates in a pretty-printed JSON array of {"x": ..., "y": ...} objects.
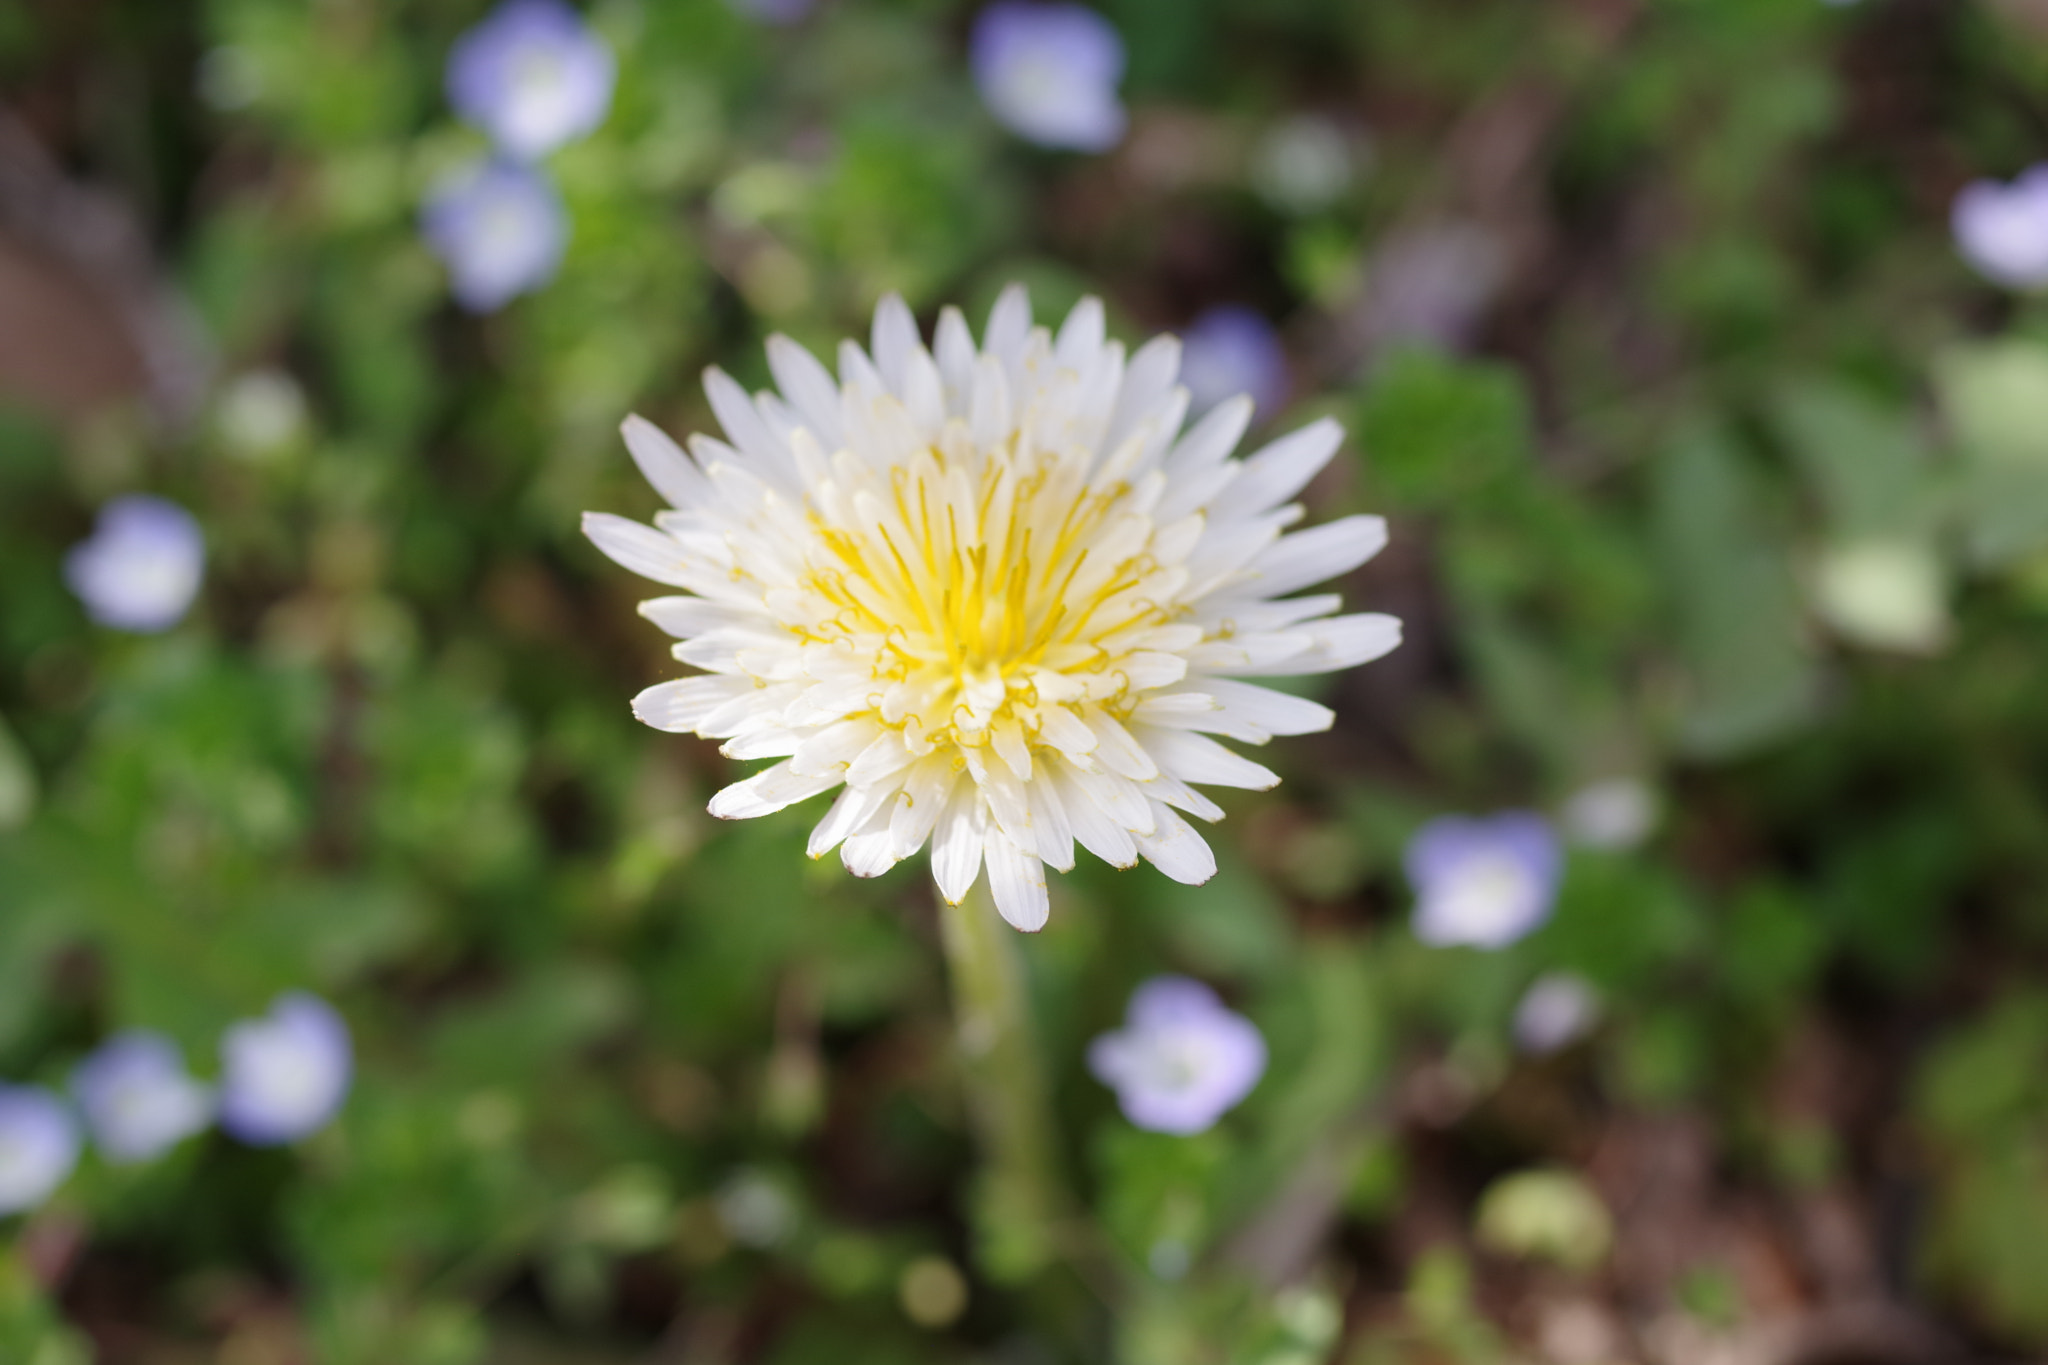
[{"x": 1021, "y": 1203}]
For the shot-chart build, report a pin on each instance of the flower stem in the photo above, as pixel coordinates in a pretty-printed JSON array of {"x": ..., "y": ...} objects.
[{"x": 1021, "y": 1204}]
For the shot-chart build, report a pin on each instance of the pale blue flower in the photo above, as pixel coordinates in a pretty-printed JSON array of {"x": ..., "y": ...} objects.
[
  {"x": 1483, "y": 882},
  {"x": 38, "y": 1146},
  {"x": 2002, "y": 230},
  {"x": 532, "y": 76},
  {"x": 1049, "y": 73},
  {"x": 1181, "y": 1060},
  {"x": 142, "y": 566},
  {"x": 137, "y": 1097},
  {"x": 283, "y": 1076},
  {"x": 500, "y": 229},
  {"x": 1231, "y": 350}
]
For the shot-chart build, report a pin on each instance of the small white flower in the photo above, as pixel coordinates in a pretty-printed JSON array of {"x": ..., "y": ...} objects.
[
  {"x": 1303, "y": 165},
  {"x": 137, "y": 1097},
  {"x": 142, "y": 567},
  {"x": 1049, "y": 73},
  {"x": 38, "y": 1146},
  {"x": 261, "y": 413},
  {"x": 2002, "y": 230},
  {"x": 993, "y": 596},
  {"x": 1616, "y": 812},
  {"x": 283, "y": 1076},
  {"x": 1885, "y": 594},
  {"x": 1557, "y": 1010}
]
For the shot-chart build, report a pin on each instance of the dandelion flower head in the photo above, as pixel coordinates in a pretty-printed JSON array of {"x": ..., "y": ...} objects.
[{"x": 994, "y": 594}]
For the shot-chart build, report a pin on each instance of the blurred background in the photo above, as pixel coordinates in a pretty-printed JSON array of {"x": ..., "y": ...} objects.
[{"x": 1687, "y": 346}]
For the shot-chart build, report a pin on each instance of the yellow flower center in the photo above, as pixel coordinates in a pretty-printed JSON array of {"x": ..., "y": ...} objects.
[{"x": 992, "y": 585}]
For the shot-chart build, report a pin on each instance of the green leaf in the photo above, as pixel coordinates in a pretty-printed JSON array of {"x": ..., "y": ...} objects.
[
  {"x": 1433, "y": 426},
  {"x": 1750, "y": 673},
  {"x": 1994, "y": 396}
]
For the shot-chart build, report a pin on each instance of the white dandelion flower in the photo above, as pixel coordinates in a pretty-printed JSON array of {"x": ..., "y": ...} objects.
[{"x": 995, "y": 596}]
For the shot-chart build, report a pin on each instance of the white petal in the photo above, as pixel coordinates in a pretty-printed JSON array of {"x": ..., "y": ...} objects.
[
  {"x": 1007, "y": 804},
  {"x": 988, "y": 413},
  {"x": 1092, "y": 826},
  {"x": 1147, "y": 383},
  {"x": 869, "y": 853},
  {"x": 1201, "y": 760},
  {"x": 1116, "y": 750},
  {"x": 1212, "y": 439},
  {"x": 888, "y": 754},
  {"x": 741, "y": 419},
  {"x": 1175, "y": 849},
  {"x": 662, "y": 462},
  {"x": 1018, "y": 881},
  {"x": 1236, "y": 710},
  {"x": 1049, "y": 823},
  {"x": 956, "y": 846},
  {"x": 1080, "y": 339},
  {"x": 831, "y": 749},
  {"x": 855, "y": 807},
  {"x": 1340, "y": 642},
  {"x": 684, "y": 617},
  {"x": 926, "y": 794},
  {"x": 767, "y": 792},
  {"x": 1320, "y": 553},
  {"x": 1282, "y": 469},
  {"x": 808, "y": 386},
  {"x": 1173, "y": 792},
  {"x": 893, "y": 338},
  {"x": 954, "y": 351},
  {"x": 1009, "y": 324},
  {"x": 681, "y": 706},
  {"x": 642, "y": 549},
  {"x": 769, "y": 741},
  {"x": 1147, "y": 669},
  {"x": 1065, "y": 731}
]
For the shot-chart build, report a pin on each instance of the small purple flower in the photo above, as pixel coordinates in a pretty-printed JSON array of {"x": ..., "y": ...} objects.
[
  {"x": 2002, "y": 230},
  {"x": 532, "y": 76},
  {"x": 1557, "y": 1010},
  {"x": 142, "y": 566},
  {"x": 499, "y": 228},
  {"x": 38, "y": 1146},
  {"x": 1049, "y": 73},
  {"x": 1181, "y": 1059},
  {"x": 283, "y": 1076},
  {"x": 1483, "y": 882},
  {"x": 137, "y": 1097},
  {"x": 1231, "y": 350}
]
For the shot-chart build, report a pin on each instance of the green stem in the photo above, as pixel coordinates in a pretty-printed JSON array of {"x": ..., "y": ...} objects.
[{"x": 1021, "y": 1204}]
